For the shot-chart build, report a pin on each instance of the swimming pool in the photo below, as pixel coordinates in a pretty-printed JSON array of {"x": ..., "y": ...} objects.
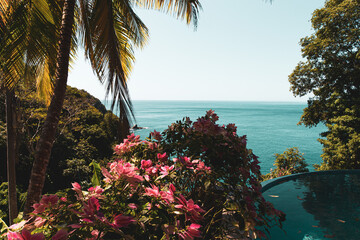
[{"x": 318, "y": 205}]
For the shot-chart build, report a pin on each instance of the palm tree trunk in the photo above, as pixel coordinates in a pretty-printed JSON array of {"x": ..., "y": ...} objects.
[
  {"x": 47, "y": 137},
  {"x": 11, "y": 154}
]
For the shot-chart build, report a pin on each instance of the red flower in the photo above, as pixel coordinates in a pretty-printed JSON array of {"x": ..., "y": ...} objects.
[
  {"x": 25, "y": 235},
  {"x": 152, "y": 192},
  {"x": 146, "y": 164},
  {"x": 122, "y": 221},
  {"x": 192, "y": 211},
  {"x": 156, "y": 135},
  {"x": 191, "y": 232},
  {"x": 162, "y": 157}
]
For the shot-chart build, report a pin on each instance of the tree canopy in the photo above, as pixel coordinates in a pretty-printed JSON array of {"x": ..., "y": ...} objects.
[{"x": 331, "y": 73}]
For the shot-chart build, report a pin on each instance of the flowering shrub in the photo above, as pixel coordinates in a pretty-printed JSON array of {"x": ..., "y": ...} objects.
[{"x": 195, "y": 180}]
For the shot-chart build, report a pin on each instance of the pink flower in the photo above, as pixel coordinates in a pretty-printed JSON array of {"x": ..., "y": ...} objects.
[
  {"x": 108, "y": 177},
  {"x": 192, "y": 210},
  {"x": 156, "y": 135},
  {"x": 127, "y": 144},
  {"x": 39, "y": 222},
  {"x": 152, "y": 145},
  {"x": 60, "y": 235},
  {"x": 211, "y": 114},
  {"x": 132, "y": 206},
  {"x": 49, "y": 200},
  {"x": 122, "y": 221},
  {"x": 133, "y": 138},
  {"x": 167, "y": 196},
  {"x": 146, "y": 164},
  {"x": 172, "y": 188},
  {"x": 162, "y": 157},
  {"x": 202, "y": 168},
  {"x": 164, "y": 170},
  {"x": 152, "y": 171},
  {"x": 185, "y": 161},
  {"x": 45, "y": 202},
  {"x": 191, "y": 232},
  {"x": 146, "y": 177},
  {"x": 39, "y": 208},
  {"x": 152, "y": 192},
  {"x": 96, "y": 192},
  {"x": 90, "y": 208},
  {"x": 95, "y": 234},
  {"x": 93, "y": 204},
  {"x": 25, "y": 235},
  {"x": 76, "y": 187},
  {"x": 122, "y": 170}
]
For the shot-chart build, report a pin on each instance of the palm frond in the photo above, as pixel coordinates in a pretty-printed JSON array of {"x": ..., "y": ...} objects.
[
  {"x": 44, "y": 82},
  {"x": 4, "y": 9},
  {"x": 12, "y": 44},
  {"x": 184, "y": 9},
  {"x": 109, "y": 32},
  {"x": 135, "y": 30},
  {"x": 41, "y": 47}
]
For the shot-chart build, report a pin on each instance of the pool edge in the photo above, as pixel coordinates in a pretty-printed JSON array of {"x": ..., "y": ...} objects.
[{"x": 266, "y": 185}]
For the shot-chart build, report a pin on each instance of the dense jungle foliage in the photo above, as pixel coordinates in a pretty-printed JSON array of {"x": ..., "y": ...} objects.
[{"x": 87, "y": 132}]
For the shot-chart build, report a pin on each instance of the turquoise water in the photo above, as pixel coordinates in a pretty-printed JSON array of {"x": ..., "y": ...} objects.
[
  {"x": 271, "y": 127},
  {"x": 319, "y": 206}
]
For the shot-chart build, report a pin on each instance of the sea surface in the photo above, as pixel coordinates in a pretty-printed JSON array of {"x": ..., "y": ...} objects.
[{"x": 270, "y": 127}]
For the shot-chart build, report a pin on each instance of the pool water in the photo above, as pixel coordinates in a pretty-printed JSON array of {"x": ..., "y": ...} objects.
[{"x": 318, "y": 205}]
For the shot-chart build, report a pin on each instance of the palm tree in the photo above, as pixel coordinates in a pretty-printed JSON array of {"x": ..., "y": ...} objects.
[
  {"x": 22, "y": 48},
  {"x": 108, "y": 28}
]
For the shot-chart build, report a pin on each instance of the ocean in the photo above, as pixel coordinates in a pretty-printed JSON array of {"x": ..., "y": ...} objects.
[{"x": 270, "y": 127}]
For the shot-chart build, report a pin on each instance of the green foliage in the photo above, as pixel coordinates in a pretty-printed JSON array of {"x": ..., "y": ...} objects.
[
  {"x": 3, "y": 227},
  {"x": 4, "y": 211},
  {"x": 342, "y": 144},
  {"x": 3, "y": 200},
  {"x": 148, "y": 193},
  {"x": 332, "y": 64},
  {"x": 231, "y": 193},
  {"x": 289, "y": 162},
  {"x": 331, "y": 74},
  {"x": 96, "y": 177},
  {"x": 86, "y": 133}
]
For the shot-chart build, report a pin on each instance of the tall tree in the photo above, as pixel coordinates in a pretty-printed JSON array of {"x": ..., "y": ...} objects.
[
  {"x": 5, "y": 16},
  {"x": 331, "y": 73},
  {"x": 16, "y": 18},
  {"x": 108, "y": 28}
]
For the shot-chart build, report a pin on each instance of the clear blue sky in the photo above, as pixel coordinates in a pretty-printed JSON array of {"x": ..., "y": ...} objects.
[{"x": 242, "y": 50}]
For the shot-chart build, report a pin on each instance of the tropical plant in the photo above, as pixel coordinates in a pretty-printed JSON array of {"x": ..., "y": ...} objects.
[
  {"x": 341, "y": 147},
  {"x": 87, "y": 132},
  {"x": 22, "y": 55},
  {"x": 289, "y": 162},
  {"x": 330, "y": 73},
  {"x": 108, "y": 29},
  {"x": 148, "y": 193}
]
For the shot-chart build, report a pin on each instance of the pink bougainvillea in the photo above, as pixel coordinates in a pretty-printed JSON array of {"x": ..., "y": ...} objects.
[{"x": 193, "y": 176}]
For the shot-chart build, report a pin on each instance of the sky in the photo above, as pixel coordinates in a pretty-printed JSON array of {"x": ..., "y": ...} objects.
[{"x": 242, "y": 50}]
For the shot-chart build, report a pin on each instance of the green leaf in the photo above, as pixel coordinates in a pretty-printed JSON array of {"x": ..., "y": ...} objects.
[
  {"x": 95, "y": 180},
  {"x": 3, "y": 228}
]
